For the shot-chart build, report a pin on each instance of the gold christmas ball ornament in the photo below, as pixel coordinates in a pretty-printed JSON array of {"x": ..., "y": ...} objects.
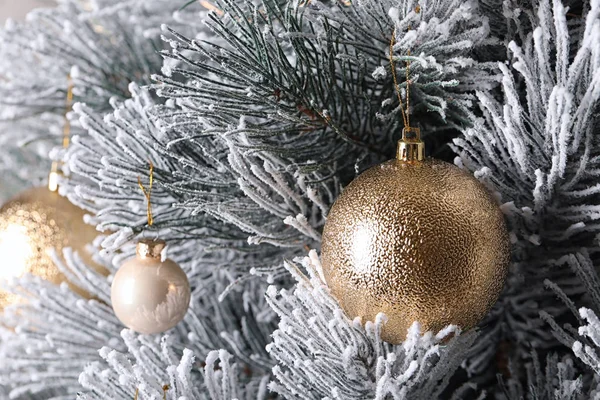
[
  {"x": 417, "y": 239},
  {"x": 33, "y": 224},
  {"x": 150, "y": 295}
]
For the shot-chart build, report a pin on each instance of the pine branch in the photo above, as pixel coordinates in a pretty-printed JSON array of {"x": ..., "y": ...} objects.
[
  {"x": 538, "y": 152},
  {"x": 322, "y": 354},
  {"x": 102, "y": 47}
]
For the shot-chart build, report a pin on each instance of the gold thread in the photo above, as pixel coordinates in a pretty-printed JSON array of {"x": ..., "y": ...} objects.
[
  {"x": 66, "y": 139},
  {"x": 68, "y": 108},
  {"x": 393, "y": 67},
  {"x": 303, "y": 3},
  {"x": 165, "y": 388},
  {"x": 412, "y": 149},
  {"x": 148, "y": 193},
  {"x": 408, "y": 90},
  {"x": 405, "y": 113}
]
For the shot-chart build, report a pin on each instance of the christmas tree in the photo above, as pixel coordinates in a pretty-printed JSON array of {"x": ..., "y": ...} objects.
[{"x": 254, "y": 116}]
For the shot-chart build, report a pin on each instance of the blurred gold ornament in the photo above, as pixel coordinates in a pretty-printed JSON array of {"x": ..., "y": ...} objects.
[
  {"x": 417, "y": 239},
  {"x": 38, "y": 221},
  {"x": 32, "y": 225}
]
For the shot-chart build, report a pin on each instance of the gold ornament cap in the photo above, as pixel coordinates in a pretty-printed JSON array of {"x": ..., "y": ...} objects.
[
  {"x": 150, "y": 248},
  {"x": 410, "y": 149}
]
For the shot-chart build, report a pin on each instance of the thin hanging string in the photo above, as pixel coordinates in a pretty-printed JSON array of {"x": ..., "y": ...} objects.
[
  {"x": 68, "y": 109},
  {"x": 53, "y": 178},
  {"x": 408, "y": 89},
  {"x": 164, "y": 388},
  {"x": 148, "y": 193},
  {"x": 405, "y": 114},
  {"x": 302, "y": 3},
  {"x": 211, "y": 7},
  {"x": 66, "y": 139}
]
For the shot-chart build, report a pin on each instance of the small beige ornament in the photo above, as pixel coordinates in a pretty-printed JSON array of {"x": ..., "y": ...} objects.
[{"x": 150, "y": 295}]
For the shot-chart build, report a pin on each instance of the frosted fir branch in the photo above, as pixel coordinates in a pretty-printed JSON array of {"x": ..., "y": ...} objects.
[
  {"x": 590, "y": 331},
  {"x": 281, "y": 70},
  {"x": 223, "y": 198},
  {"x": 543, "y": 145},
  {"x": 437, "y": 38},
  {"x": 106, "y": 163},
  {"x": 53, "y": 333},
  {"x": 586, "y": 338},
  {"x": 102, "y": 46},
  {"x": 538, "y": 151},
  {"x": 584, "y": 343},
  {"x": 220, "y": 379},
  {"x": 143, "y": 369},
  {"x": 560, "y": 379},
  {"x": 496, "y": 12},
  {"x": 323, "y": 355},
  {"x": 260, "y": 129},
  {"x": 521, "y": 315},
  {"x": 57, "y": 333}
]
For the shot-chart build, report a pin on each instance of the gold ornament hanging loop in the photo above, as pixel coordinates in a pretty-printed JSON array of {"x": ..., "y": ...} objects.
[
  {"x": 148, "y": 193},
  {"x": 410, "y": 149},
  {"x": 393, "y": 68},
  {"x": 68, "y": 109},
  {"x": 408, "y": 89},
  {"x": 66, "y": 137}
]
